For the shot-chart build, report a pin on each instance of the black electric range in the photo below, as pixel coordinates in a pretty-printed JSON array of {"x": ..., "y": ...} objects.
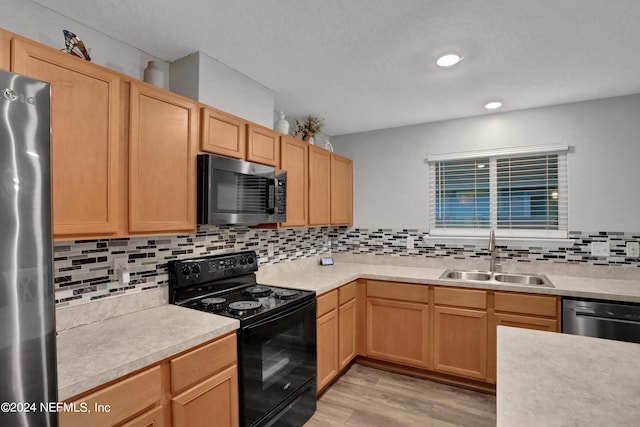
[{"x": 276, "y": 338}]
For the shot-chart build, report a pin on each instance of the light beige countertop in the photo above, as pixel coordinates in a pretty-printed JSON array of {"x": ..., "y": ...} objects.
[
  {"x": 548, "y": 379},
  {"x": 101, "y": 341},
  {"x": 309, "y": 275},
  {"x": 94, "y": 354}
]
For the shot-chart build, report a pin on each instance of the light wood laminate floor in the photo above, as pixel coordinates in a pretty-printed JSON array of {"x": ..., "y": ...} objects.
[{"x": 370, "y": 397}]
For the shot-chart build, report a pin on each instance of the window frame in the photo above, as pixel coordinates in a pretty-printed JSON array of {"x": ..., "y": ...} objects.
[{"x": 493, "y": 155}]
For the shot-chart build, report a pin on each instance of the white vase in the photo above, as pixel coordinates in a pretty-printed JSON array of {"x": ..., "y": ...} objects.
[
  {"x": 281, "y": 125},
  {"x": 312, "y": 140},
  {"x": 153, "y": 74}
]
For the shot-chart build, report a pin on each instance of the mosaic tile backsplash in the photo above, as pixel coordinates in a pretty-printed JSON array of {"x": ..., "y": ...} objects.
[
  {"x": 84, "y": 269},
  {"x": 394, "y": 243}
]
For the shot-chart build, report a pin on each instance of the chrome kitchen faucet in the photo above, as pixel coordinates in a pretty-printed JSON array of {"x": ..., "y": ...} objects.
[{"x": 493, "y": 267}]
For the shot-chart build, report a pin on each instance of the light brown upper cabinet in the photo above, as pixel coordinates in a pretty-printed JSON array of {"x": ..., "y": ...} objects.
[
  {"x": 85, "y": 138},
  {"x": 294, "y": 155},
  {"x": 5, "y": 50},
  {"x": 341, "y": 190},
  {"x": 223, "y": 134},
  {"x": 319, "y": 186},
  {"x": 263, "y": 145},
  {"x": 162, "y": 159}
]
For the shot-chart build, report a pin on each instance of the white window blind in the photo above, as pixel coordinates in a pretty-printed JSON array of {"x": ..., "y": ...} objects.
[{"x": 519, "y": 195}]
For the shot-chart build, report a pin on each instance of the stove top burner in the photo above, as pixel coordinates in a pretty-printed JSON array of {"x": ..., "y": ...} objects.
[
  {"x": 214, "y": 303},
  {"x": 244, "y": 307},
  {"x": 286, "y": 294},
  {"x": 258, "y": 291}
]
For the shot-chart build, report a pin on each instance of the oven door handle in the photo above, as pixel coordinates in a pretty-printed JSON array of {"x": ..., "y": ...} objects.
[{"x": 276, "y": 317}]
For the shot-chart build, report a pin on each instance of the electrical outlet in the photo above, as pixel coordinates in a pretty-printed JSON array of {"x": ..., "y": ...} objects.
[
  {"x": 633, "y": 249},
  {"x": 270, "y": 249},
  {"x": 410, "y": 242},
  {"x": 120, "y": 264},
  {"x": 121, "y": 270},
  {"x": 600, "y": 249}
]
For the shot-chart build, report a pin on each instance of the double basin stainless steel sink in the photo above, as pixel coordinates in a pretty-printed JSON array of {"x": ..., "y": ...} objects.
[{"x": 503, "y": 278}]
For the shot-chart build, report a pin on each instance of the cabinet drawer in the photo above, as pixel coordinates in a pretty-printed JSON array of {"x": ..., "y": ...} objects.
[
  {"x": 125, "y": 398},
  {"x": 203, "y": 362},
  {"x": 327, "y": 302},
  {"x": 470, "y": 298},
  {"x": 347, "y": 292},
  {"x": 399, "y": 291},
  {"x": 527, "y": 304}
]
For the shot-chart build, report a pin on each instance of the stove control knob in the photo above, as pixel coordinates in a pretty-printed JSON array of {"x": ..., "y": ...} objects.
[
  {"x": 195, "y": 269},
  {"x": 250, "y": 260},
  {"x": 186, "y": 270},
  {"x": 243, "y": 260},
  {"x": 233, "y": 262}
]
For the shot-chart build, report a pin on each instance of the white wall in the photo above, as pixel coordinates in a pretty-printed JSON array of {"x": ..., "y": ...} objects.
[
  {"x": 390, "y": 176},
  {"x": 36, "y": 22},
  {"x": 222, "y": 87}
]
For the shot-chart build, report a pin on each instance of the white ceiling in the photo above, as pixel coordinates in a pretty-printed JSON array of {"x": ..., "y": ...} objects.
[{"x": 369, "y": 64}]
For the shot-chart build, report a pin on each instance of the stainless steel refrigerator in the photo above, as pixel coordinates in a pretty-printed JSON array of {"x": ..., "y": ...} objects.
[{"x": 27, "y": 312}]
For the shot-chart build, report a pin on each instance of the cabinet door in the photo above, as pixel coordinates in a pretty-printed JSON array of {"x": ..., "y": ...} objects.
[
  {"x": 516, "y": 321},
  {"x": 263, "y": 145},
  {"x": 223, "y": 134},
  {"x": 118, "y": 401},
  {"x": 460, "y": 342},
  {"x": 327, "y": 348},
  {"x": 398, "y": 331},
  {"x": 163, "y": 134},
  {"x": 294, "y": 156},
  {"x": 319, "y": 186},
  {"x": 152, "y": 418},
  {"x": 5, "y": 50},
  {"x": 212, "y": 402},
  {"x": 341, "y": 190},
  {"x": 84, "y": 138},
  {"x": 347, "y": 332}
]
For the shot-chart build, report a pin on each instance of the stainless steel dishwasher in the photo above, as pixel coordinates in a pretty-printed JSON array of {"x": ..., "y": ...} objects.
[{"x": 602, "y": 319}]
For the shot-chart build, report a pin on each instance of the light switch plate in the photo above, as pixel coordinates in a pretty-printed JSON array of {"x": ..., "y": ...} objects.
[
  {"x": 600, "y": 249},
  {"x": 633, "y": 249}
]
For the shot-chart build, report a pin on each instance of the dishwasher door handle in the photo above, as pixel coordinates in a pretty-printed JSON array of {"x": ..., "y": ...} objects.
[{"x": 607, "y": 317}]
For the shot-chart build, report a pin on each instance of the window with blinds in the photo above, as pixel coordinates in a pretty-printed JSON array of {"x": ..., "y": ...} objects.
[{"x": 517, "y": 195}]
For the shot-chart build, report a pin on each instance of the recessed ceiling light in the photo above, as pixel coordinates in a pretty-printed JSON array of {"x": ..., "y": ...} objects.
[
  {"x": 448, "y": 60},
  {"x": 493, "y": 105}
]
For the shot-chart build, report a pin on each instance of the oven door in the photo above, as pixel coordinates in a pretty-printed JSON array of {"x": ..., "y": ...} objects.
[{"x": 277, "y": 356}]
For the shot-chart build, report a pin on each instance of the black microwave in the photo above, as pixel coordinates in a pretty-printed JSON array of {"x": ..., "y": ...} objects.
[{"x": 232, "y": 191}]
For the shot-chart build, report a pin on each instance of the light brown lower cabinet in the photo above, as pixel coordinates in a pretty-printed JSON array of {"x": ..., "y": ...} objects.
[
  {"x": 196, "y": 389},
  {"x": 518, "y": 310},
  {"x": 337, "y": 332},
  {"x": 152, "y": 418},
  {"x": 398, "y": 322},
  {"x": 213, "y": 399},
  {"x": 327, "y": 330},
  {"x": 436, "y": 329},
  {"x": 460, "y": 341},
  {"x": 117, "y": 402},
  {"x": 347, "y": 320}
]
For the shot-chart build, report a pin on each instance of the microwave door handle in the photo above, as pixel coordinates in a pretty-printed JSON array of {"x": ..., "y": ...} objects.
[{"x": 271, "y": 197}]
